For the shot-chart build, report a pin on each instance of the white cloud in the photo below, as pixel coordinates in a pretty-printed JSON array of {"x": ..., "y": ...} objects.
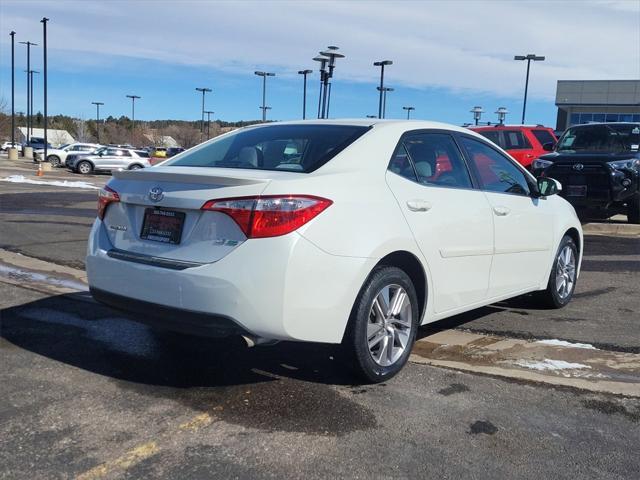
[{"x": 463, "y": 45}]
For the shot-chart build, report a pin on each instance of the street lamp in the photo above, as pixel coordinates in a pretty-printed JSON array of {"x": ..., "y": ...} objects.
[
  {"x": 97, "y": 104},
  {"x": 133, "y": 114},
  {"x": 44, "y": 68},
  {"x": 304, "y": 73},
  {"x": 331, "y": 53},
  {"x": 264, "y": 107},
  {"x": 408, "y": 109},
  {"x": 209, "y": 113},
  {"x": 204, "y": 90},
  {"x": 381, "y": 64},
  {"x": 13, "y": 97},
  {"x": 528, "y": 58},
  {"x": 323, "y": 72},
  {"x": 502, "y": 113},
  {"x": 383, "y": 92},
  {"x": 477, "y": 113},
  {"x": 28, "y": 44}
]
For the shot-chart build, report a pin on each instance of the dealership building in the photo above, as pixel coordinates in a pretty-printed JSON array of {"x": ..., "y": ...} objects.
[{"x": 584, "y": 101}]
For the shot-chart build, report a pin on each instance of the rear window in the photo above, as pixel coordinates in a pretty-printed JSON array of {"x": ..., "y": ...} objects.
[
  {"x": 514, "y": 140},
  {"x": 543, "y": 136},
  {"x": 492, "y": 135},
  {"x": 294, "y": 148},
  {"x": 142, "y": 153},
  {"x": 601, "y": 138}
]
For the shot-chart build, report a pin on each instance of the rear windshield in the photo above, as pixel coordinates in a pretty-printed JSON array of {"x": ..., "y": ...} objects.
[
  {"x": 601, "y": 138},
  {"x": 294, "y": 148}
]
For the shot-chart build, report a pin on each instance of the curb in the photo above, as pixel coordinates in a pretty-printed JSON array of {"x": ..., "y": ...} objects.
[{"x": 614, "y": 229}]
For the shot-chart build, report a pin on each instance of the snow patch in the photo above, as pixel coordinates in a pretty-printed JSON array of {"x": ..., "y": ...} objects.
[
  {"x": 548, "y": 364},
  {"x": 563, "y": 343},
  {"x": 24, "y": 275},
  {"x": 54, "y": 183}
]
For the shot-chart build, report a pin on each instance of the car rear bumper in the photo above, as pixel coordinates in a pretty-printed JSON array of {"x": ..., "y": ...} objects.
[{"x": 282, "y": 288}]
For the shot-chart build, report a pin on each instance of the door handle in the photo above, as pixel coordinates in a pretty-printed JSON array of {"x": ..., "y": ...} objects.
[
  {"x": 501, "y": 211},
  {"x": 418, "y": 205}
]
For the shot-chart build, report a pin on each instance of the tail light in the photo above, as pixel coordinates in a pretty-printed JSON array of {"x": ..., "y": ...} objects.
[
  {"x": 269, "y": 216},
  {"x": 106, "y": 196}
]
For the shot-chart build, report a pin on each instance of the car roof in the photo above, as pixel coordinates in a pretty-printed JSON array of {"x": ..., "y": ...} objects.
[{"x": 501, "y": 126}]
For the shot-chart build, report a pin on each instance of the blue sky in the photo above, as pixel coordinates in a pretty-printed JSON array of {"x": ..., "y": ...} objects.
[{"x": 448, "y": 56}]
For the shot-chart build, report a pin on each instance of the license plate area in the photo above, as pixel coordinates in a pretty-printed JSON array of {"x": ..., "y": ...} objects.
[
  {"x": 162, "y": 225},
  {"x": 576, "y": 190}
]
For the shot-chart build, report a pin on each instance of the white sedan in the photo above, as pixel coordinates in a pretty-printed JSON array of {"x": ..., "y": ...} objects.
[
  {"x": 57, "y": 156},
  {"x": 354, "y": 232}
]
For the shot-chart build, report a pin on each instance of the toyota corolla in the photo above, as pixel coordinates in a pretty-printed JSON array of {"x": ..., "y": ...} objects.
[{"x": 347, "y": 232}]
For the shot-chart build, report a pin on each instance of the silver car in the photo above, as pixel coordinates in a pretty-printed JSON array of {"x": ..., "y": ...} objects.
[{"x": 109, "y": 159}]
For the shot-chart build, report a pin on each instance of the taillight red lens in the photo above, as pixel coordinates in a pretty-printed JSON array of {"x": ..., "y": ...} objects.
[
  {"x": 106, "y": 196},
  {"x": 269, "y": 216}
]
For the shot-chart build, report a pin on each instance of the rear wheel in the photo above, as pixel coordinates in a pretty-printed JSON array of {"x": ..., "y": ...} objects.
[
  {"x": 54, "y": 160},
  {"x": 383, "y": 323},
  {"x": 633, "y": 212},
  {"x": 84, "y": 167},
  {"x": 562, "y": 281},
  {"x": 135, "y": 166}
]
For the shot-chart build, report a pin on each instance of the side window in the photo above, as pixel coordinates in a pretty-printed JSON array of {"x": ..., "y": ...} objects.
[
  {"x": 401, "y": 165},
  {"x": 494, "y": 136},
  {"x": 496, "y": 172},
  {"x": 113, "y": 152},
  {"x": 515, "y": 140},
  {"x": 437, "y": 160},
  {"x": 124, "y": 153}
]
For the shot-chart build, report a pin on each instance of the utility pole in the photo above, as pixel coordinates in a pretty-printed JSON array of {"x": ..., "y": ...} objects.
[
  {"x": 97, "y": 104},
  {"x": 44, "y": 62},
  {"x": 133, "y": 114},
  {"x": 13, "y": 89},
  {"x": 304, "y": 73}
]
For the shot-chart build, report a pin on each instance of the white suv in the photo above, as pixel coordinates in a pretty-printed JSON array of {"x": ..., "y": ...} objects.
[{"x": 57, "y": 156}]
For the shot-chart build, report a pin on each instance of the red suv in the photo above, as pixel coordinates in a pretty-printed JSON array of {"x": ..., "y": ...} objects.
[{"x": 523, "y": 142}]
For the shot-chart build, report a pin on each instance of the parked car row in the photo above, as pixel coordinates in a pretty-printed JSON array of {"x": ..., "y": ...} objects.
[{"x": 107, "y": 159}]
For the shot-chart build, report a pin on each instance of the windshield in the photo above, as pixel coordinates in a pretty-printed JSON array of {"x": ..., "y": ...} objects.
[
  {"x": 601, "y": 138},
  {"x": 295, "y": 148}
]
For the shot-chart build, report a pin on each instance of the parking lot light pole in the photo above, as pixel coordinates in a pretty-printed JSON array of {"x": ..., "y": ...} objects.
[
  {"x": 204, "y": 90},
  {"x": 31, "y": 72},
  {"x": 381, "y": 64},
  {"x": 28, "y": 44},
  {"x": 13, "y": 89},
  {"x": 304, "y": 73},
  {"x": 331, "y": 53},
  {"x": 97, "y": 104},
  {"x": 408, "y": 109},
  {"x": 502, "y": 114},
  {"x": 323, "y": 71},
  {"x": 44, "y": 69},
  {"x": 383, "y": 92},
  {"x": 133, "y": 114},
  {"x": 530, "y": 57},
  {"x": 477, "y": 114},
  {"x": 209, "y": 113},
  {"x": 264, "y": 107}
]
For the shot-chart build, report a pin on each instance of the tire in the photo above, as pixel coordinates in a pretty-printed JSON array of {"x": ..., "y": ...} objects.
[
  {"x": 135, "y": 166},
  {"x": 372, "y": 361},
  {"x": 54, "y": 160},
  {"x": 557, "y": 293},
  {"x": 84, "y": 167},
  {"x": 633, "y": 214}
]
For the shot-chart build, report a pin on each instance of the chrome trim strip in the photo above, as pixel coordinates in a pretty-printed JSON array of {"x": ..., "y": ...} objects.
[{"x": 151, "y": 260}]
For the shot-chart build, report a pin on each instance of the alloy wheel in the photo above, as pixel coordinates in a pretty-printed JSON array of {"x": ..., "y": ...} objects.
[
  {"x": 390, "y": 324},
  {"x": 565, "y": 272}
]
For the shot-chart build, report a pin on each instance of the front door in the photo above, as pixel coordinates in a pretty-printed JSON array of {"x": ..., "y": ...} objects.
[
  {"x": 523, "y": 223},
  {"x": 450, "y": 220}
]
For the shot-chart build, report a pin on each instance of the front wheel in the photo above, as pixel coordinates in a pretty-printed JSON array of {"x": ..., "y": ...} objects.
[
  {"x": 84, "y": 168},
  {"x": 562, "y": 281},
  {"x": 135, "y": 166},
  {"x": 54, "y": 160},
  {"x": 383, "y": 323}
]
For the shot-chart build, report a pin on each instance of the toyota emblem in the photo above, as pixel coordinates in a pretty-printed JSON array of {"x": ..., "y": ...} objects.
[
  {"x": 578, "y": 166},
  {"x": 156, "y": 194}
]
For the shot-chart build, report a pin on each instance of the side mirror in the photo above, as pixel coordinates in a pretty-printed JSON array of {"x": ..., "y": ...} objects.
[
  {"x": 548, "y": 147},
  {"x": 548, "y": 186},
  {"x": 100, "y": 154}
]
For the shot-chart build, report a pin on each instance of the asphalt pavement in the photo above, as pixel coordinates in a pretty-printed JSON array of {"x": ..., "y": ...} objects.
[{"x": 89, "y": 394}]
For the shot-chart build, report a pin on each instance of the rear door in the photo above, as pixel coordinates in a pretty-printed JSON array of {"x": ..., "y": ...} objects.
[
  {"x": 523, "y": 224},
  {"x": 450, "y": 220}
]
